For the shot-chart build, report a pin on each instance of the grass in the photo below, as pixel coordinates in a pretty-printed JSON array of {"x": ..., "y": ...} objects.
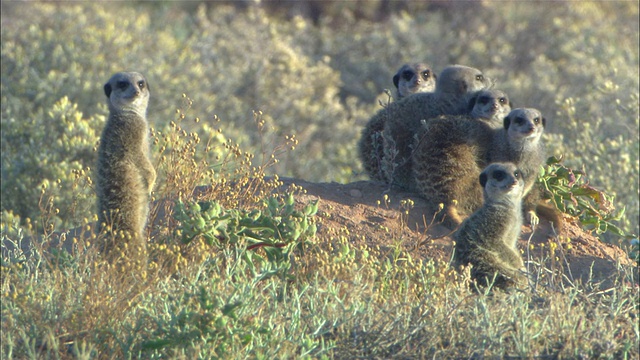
[
  {"x": 337, "y": 301},
  {"x": 210, "y": 292}
]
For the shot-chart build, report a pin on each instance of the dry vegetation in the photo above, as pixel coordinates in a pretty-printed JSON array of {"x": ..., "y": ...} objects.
[{"x": 291, "y": 94}]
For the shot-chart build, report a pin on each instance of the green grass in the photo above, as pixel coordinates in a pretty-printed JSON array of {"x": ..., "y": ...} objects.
[{"x": 333, "y": 301}]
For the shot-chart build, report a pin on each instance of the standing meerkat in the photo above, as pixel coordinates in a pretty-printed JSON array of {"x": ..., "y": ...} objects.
[
  {"x": 403, "y": 119},
  {"x": 125, "y": 173},
  {"x": 520, "y": 142},
  {"x": 451, "y": 151},
  {"x": 410, "y": 79},
  {"x": 488, "y": 238}
]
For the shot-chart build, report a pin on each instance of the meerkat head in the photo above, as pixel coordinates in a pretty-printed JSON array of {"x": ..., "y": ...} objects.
[
  {"x": 490, "y": 104},
  {"x": 460, "y": 80},
  {"x": 524, "y": 125},
  {"x": 128, "y": 91},
  {"x": 502, "y": 181},
  {"x": 414, "y": 78}
]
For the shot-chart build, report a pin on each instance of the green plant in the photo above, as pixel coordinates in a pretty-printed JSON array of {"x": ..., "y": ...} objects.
[
  {"x": 277, "y": 229},
  {"x": 203, "y": 317},
  {"x": 635, "y": 250},
  {"x": 570, "y": 192}
]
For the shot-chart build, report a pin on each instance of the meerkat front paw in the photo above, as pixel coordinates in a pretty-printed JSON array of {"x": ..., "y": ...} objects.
[{"x": 533, "y": 219}]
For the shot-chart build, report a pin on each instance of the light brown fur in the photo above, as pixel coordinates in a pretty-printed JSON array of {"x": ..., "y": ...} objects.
[
  {"x": 488, "y": 238},
  {"x": 125, "y": 174}
]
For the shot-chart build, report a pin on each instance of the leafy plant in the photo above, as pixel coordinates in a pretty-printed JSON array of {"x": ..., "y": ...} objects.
[
  {"x": 203, "y": 316},
  {"x": 569, "y": 190},
  {"x": 278, "y": 229}
]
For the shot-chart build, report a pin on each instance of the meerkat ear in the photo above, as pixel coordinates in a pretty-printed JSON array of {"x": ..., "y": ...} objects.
[
  {"x": 510, "y": 104},
  {"x": 396, "y": 79},
  {"x": 472, "y": 102},
  {"x": 506, "y": 122},
  {"x": 107, "y": 89},
  {"x": 483, "y": 179},
  {"x": 544, "y": 122}
]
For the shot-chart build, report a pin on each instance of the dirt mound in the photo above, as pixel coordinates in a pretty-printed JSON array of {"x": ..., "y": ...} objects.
[{"x": 360, "y": 212}]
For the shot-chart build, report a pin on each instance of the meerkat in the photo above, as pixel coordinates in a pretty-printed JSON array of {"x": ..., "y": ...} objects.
[
  {"x": 451, "y": 151},
  {"x": 455, "y": 85},
  {"x": 520, "y": 142},
  {"x": 488, "y": 238},
  {"x": 410, "y": 79},
  {"x": 125, "y": 174},
  {"x": 414, "y": 78}
]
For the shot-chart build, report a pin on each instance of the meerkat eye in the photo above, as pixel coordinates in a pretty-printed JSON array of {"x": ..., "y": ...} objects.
[
  {"x": 141, "y": 84},
  {"x": 425, "y": 74},
  {"x": 122, "y": 85},
  {"x": 499, "y": 175},
  {"x": 479, "y": 77},
  {"x": 519, "y": 121},
  {"x": 536, "y": 120},
  {"x": 503, "y": 100},
  {"x": 407, "y": 75},
  {"x": 484, "y": 99},
  {"x": 517, "y": 174}
]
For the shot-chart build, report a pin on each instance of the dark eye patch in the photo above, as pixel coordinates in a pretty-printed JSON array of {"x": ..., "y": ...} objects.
[
  {"x": 141, "y": 84},
  {"x": 479, "y": 77},
  {"x": 484, "y": 99},
  {"x": 499, "y": 175},
  {"x": 122, "y": 85},
  {"x": 407, "y": 75}
]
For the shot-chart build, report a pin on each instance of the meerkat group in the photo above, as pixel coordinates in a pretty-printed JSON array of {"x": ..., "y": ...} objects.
[
  {"x": 125, "y": 174},
  {"x": 440, "y": 142},
  {"x": 402, "y": 120},
  {"x": 450, "y": 153}
]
